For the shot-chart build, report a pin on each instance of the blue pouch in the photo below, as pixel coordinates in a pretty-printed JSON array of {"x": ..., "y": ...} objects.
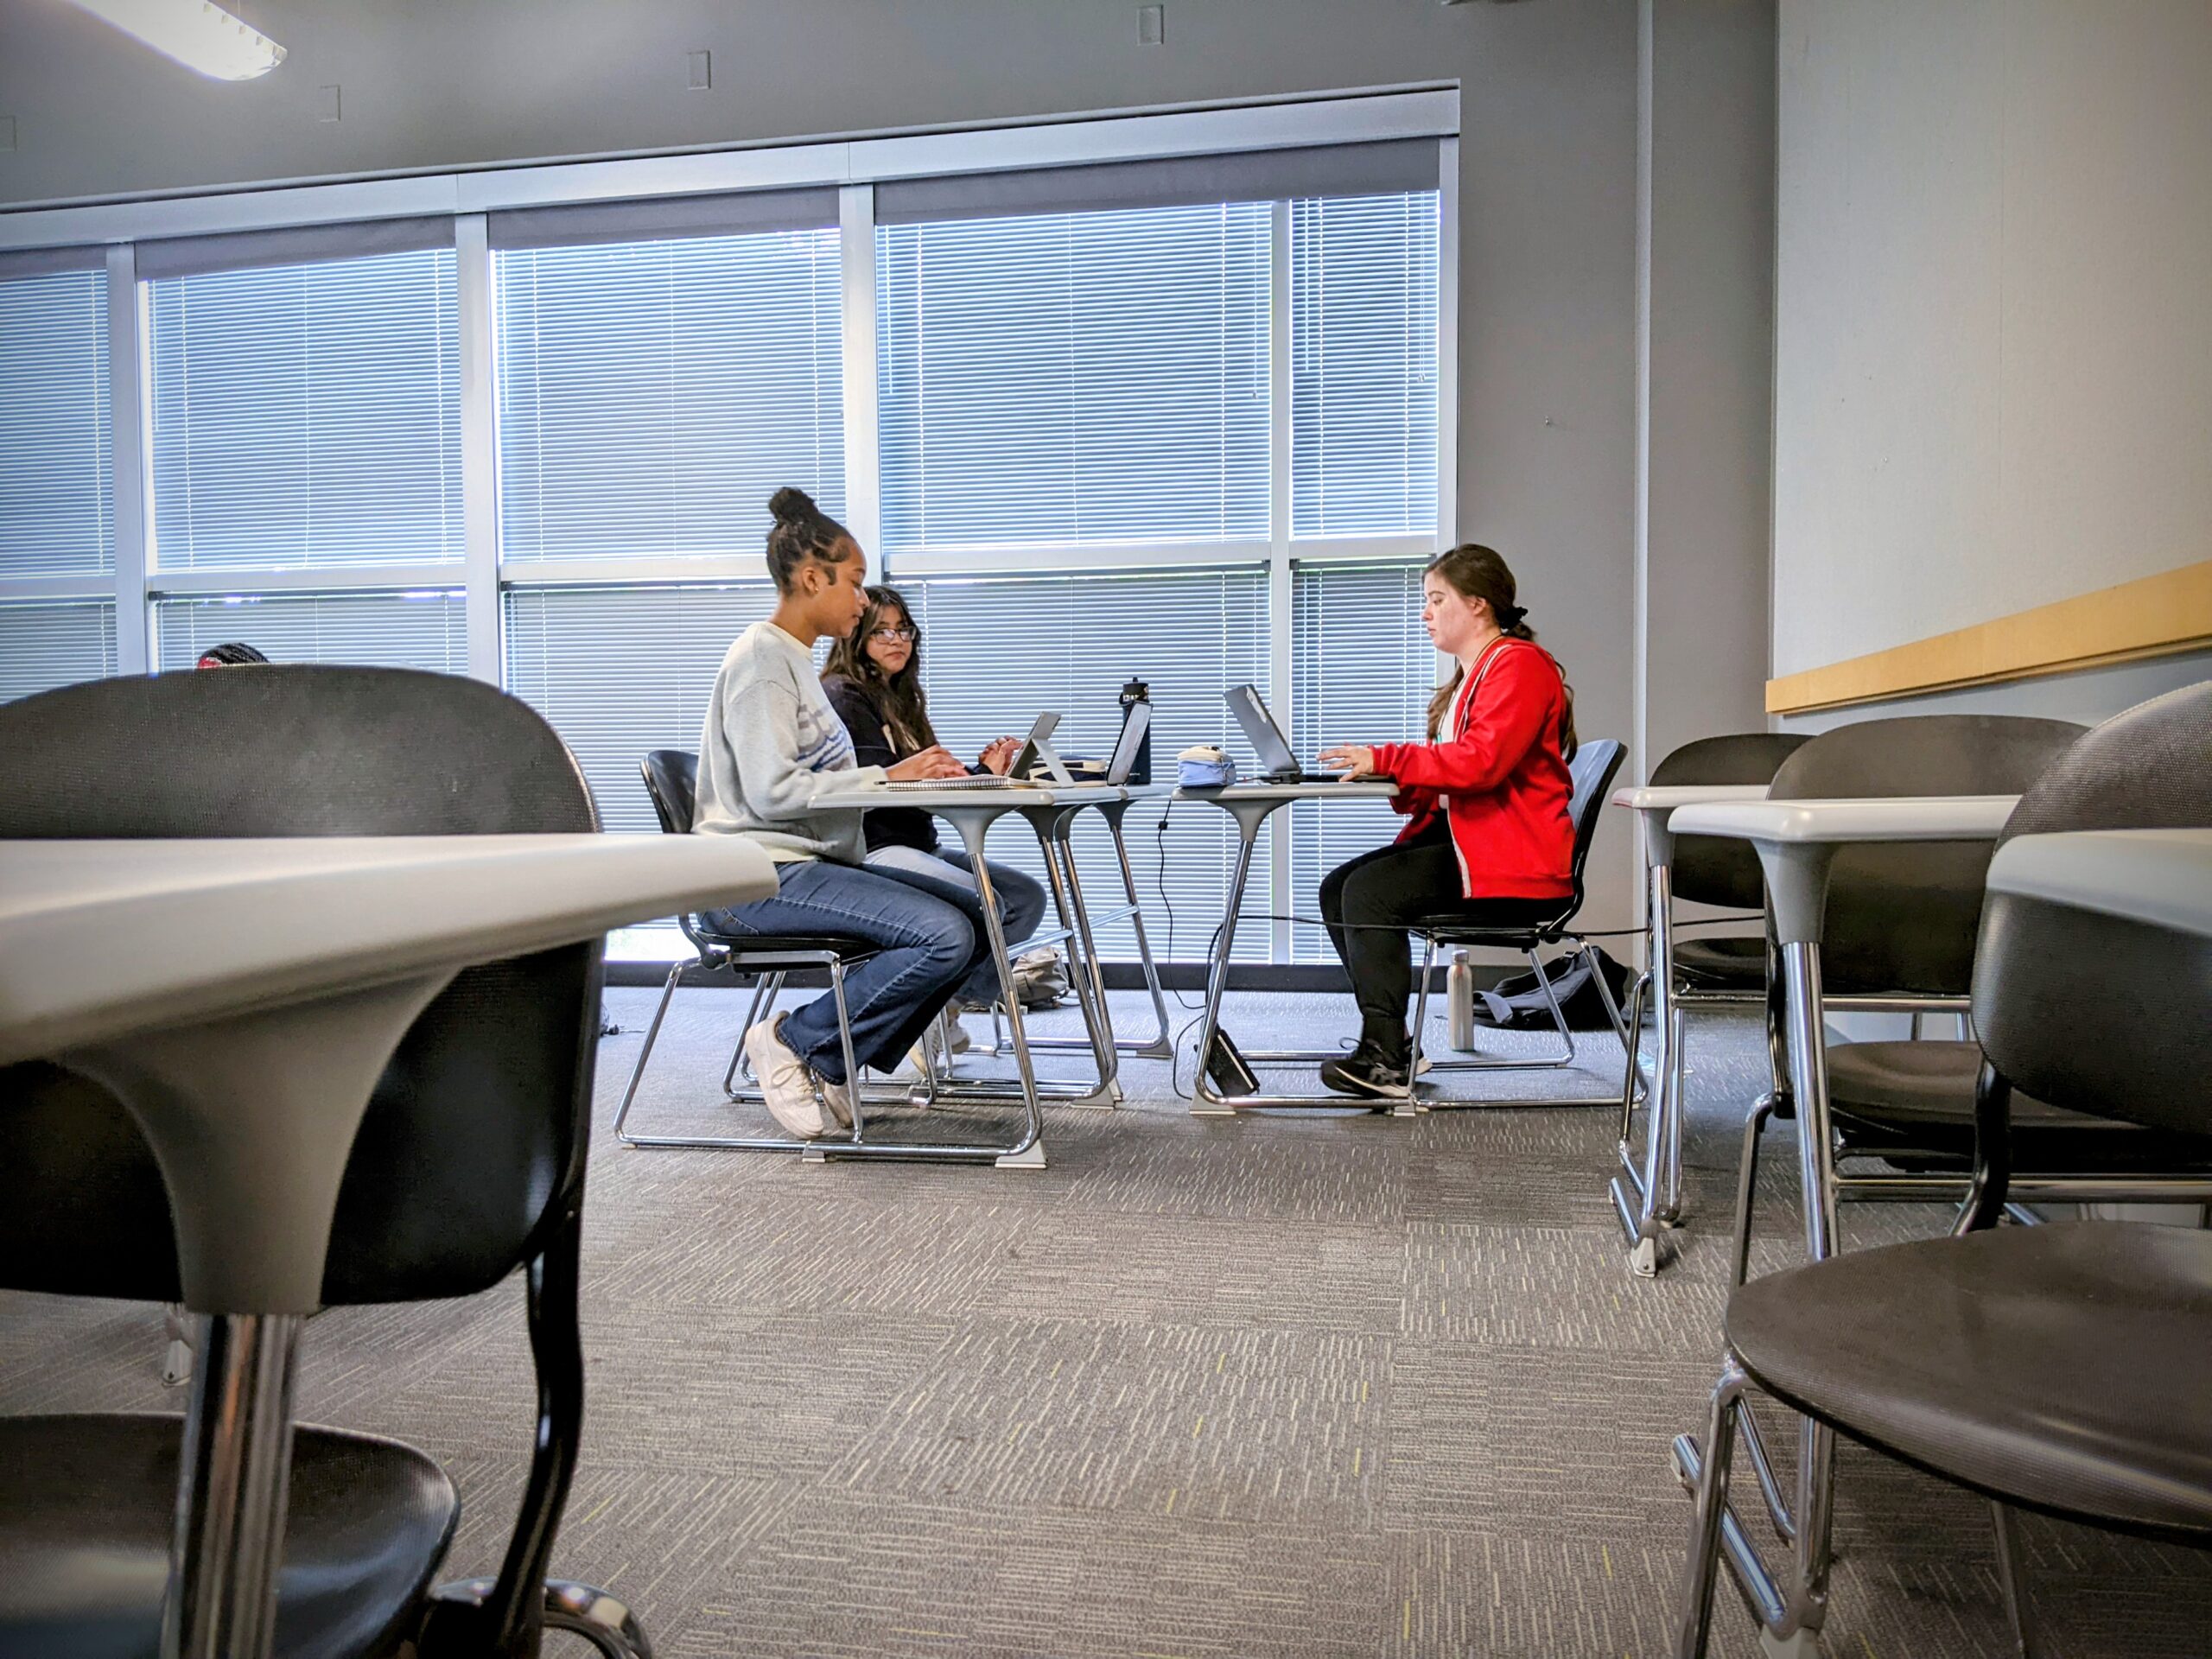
[{"x": 1205, "y": 767}]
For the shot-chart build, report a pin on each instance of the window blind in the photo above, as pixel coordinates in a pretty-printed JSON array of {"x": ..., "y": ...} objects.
[
  {"x": 1362, "y": 671},
  {"x": 308, "y": 415},
  {"x": 1062, "y": 379},
  {"x": 45, "y": 645},
  {"x": 653, "y": 395},
  {"x": 1363, "y": 365},
  {"x": 426, "y": 630},
  {"x": 997, "y": 652},
  {"x": 618, "y": 672},
  {"x": 57, "y": 499}
]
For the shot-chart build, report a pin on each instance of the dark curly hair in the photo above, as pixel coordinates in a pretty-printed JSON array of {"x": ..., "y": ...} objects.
[{"x": 899, "y": 698}]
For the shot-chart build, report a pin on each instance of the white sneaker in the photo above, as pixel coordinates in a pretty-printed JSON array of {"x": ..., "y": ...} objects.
[{"x": 784, "y": 1080}]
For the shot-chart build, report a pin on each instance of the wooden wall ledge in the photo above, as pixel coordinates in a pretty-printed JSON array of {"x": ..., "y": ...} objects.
[{"x": 2153, "y": 616}]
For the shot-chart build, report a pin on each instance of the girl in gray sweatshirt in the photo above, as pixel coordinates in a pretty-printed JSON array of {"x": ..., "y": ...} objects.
[{"x": 771, "y": 746}]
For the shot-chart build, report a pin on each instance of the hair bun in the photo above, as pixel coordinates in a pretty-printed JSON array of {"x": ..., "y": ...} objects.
[{"x": 789, "y": 505}]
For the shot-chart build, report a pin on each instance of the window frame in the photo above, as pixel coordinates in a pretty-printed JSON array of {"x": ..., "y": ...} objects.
[{"x": 1429, "y": 114}]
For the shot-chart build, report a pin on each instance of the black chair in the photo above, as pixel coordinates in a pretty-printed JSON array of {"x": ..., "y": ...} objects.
[
  {"x": 1911, "y": 1103},
  {"x": 1902, "y": 917},
  {"x": 671, "y": 779},
  {"x": 470, "y": 1163},
  {"x": 2058, "y": 1369},
  {"x": 1592, "y": 769}
]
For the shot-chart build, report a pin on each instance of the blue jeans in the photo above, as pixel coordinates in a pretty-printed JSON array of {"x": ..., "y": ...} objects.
[
  {"x": 951, "y": 875},
  {"x": 926, "y": 945}
]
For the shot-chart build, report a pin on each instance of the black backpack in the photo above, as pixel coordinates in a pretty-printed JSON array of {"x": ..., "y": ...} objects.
[{"x": 1517, "y": 1004}]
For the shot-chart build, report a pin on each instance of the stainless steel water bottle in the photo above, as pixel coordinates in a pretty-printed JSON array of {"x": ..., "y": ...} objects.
[{"x": 1459, "y": 998}]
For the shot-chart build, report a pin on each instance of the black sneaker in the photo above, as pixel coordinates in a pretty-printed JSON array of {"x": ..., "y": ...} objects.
[{"x": 1360, "y": 1072}]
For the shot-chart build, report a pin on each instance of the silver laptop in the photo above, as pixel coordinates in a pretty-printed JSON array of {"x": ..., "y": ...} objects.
[
  {"x": 1278, "y": 763},
  {"x": 1039, "y": 733}
]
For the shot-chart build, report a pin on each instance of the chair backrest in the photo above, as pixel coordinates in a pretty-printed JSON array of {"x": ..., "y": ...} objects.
[
  {"x": 1595, "y": 763},
  {"x": 673, "y": 780},
  {"x": 1904, "y": 918},
  {"x": 2099, "y": 1013},
  {"x": 475, "y": 1141},
  {"x": 1712, "y": 869}
]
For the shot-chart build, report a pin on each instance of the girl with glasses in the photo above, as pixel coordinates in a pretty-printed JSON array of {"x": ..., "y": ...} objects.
[{"x": 873, "y": 681}]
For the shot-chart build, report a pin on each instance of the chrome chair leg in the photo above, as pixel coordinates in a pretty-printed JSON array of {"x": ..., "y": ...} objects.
[
  {"x": 766, "y": 989},
  {"x": 1747, "y": 1180},
  {"x": 1634, "y": 1041},
  {"x": 2012, "y": 1574},
  {"x": 1712, "y": 1522},
  {"x": 645, "y": 1053}
]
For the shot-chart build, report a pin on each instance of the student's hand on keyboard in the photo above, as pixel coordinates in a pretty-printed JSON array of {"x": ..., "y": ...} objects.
[
  {"x": 999, "y": 754},
  {"x": 1353, "y": 760},
  {"x": 930, "y": 763}
]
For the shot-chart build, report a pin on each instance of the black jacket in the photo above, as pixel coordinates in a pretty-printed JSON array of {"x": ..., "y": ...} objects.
[{"x": 885, "y": 826}]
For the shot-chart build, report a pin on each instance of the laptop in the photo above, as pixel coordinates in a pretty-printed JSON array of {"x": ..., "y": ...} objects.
[
  {"x": 1124, "y": 759},
  {"x": 1136, "y": 720},
  {"x": 1040, "y": 734},
  {"x": 1278, "y": 764}
]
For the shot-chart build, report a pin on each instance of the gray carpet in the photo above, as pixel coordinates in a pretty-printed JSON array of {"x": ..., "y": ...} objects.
[{"x": 1279, "y": 1385}]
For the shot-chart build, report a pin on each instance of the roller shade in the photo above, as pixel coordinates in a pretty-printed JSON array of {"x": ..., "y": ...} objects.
[
  {"x": 660, "y": 217},
  {"x": 1401, "y": 164},
  {"x": 162, "y": 258},
  {"x": 57, "y": 493},
  {"x": 308, "y": 415},
  {"x": 653, "y": 395}
]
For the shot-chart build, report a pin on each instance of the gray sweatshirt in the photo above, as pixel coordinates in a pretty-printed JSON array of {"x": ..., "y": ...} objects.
[{"x": 770, "y": 745}]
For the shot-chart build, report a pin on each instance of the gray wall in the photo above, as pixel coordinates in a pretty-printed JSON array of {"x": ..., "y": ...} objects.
[
  {"x": 1994, "y": 352},
  {"x": 1706, "y": 289},
  {"x": 1548, "y": 260}
]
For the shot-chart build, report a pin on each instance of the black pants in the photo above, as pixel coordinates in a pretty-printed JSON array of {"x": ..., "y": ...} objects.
[{"x": 1370, "y": 901}]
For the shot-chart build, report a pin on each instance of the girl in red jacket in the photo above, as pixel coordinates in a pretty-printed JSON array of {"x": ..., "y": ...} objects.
[{"x": 1489, "y": 837}]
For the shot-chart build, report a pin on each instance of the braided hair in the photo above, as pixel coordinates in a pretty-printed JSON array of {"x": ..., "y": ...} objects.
[
  {"x": 802, "y": 534},
  {"x": 1478, "y": 572},
  {"x": 231, "y": 654}
]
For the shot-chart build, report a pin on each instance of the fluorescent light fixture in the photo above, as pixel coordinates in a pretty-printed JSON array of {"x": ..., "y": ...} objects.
[{"x": 197, "y": 35}]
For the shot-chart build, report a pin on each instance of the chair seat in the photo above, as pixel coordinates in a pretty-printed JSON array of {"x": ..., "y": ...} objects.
[
  {"x": 2062, "y": 1366},
  {"x": 84, "y": 1519},
  {"x": 1474, "y": 926},
  {"x": 844, "y": 948},
  {"x": 1724, "y": 964},
  {"x": 1921, "y": 1094}
]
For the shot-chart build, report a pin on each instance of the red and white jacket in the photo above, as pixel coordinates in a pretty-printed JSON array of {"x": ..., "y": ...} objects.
[{"x": 1499, "y": 776}]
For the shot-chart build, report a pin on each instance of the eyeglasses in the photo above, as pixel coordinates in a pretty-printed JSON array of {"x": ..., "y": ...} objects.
[{"x": 889, "y": 635}]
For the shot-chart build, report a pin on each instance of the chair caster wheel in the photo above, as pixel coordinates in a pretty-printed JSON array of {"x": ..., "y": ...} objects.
[
  {"x": 454, "y": 1625},
  {"x": 1805, "y": 1644}
]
